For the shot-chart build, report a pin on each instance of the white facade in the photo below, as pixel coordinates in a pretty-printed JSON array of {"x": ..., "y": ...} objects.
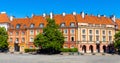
[{"x": 4, "y": 25}]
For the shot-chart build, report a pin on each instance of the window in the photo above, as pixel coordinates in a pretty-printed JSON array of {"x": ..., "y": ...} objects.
[
  {"x": 90, "y": 25},
  {"x": 32, "y": 26},
  {"x": 90, "y": 38},
  {"x": 11, "y": 33},
  {"x": 65, "y": 31},
  {"x": 37, "y": 31},
  {"x": 17, "y": 33},
  {"x": 23, "y": 39},
  {"x": 83, "y": 37},
  {"x": 65, "y": 46},
  {"x": 97, "y": 25},
  {"x": 17, "y": 40},
  {"x": 11, "y": 39},
  {"x": 97, "y": 38},
  {"x": 103, "y": 26},
  {"x": 31, "y": 39},
  {"x": 66, "y": 39},
  {"x": 31, "y": 32},
  {"x": 23, "y": 33},
  {"x": 72, "y": 38},
  {"x": 72, "y": 46},
  {"x": 72, "y": 24},
  {"x": 31, "y": 47},
  {"x": 90, "y": 31},
  {"x": 103, "y": 38},
  {"x": 41, "y": 25},
  {"x": 103, "y": 32},
  {"x": 83, "y": 31},
  {"x": 109, "y": 33},
  {"x": 62, "y": 25},
  {"x": 110, "y": 38},
  {"x": 72, "y": 31},
  {"x": 97, "y": 31},
  {"x": 18, "y": 26}
]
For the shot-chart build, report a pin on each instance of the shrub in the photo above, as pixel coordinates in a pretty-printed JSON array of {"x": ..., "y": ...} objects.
[
  {"x": 74, "y": 50},
  {"x": 65, "y": 50},
  {"x": 30, "y": 50},
  {"x": 69, "y": 50}
]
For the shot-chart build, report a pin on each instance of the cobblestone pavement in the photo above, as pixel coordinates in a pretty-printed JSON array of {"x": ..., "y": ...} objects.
[{"x": 27, "y": 58}]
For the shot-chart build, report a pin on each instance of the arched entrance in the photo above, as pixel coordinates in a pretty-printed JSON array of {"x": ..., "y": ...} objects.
[
  {"x": 91, "y": 48},
  {"x": 98, "y": 48},
  {"x": 104, "y": 49},
  {"x": 16, "y": 47},
  {"x": 84, "y": 48},
  {"x": 110, "y": 48}
]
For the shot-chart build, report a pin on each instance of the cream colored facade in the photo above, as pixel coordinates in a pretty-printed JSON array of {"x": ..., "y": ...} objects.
[{"x": 89, "y": 35}]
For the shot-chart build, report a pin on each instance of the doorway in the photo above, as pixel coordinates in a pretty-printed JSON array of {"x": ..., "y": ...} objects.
[
  {"x": 16, "y": 48},
  {"x": 91, "y": 48}
]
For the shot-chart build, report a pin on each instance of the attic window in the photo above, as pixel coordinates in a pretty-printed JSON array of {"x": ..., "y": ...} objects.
[
  {"x": 18, "y": 26},
  {"x": 62, "y": 25},
  {"x": 41, "y": 25},
  {"x": 32, "y": 26},
  {"x": 103, "y": 25},
  {"x": 72, "y": 24}
]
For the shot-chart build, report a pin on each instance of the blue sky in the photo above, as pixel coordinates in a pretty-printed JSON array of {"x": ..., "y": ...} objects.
[{"x": 22, "y": 8}]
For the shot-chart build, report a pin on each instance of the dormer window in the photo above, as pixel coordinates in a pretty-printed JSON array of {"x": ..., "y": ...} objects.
[
  {"x": 32, "y": 26},
  {"x": 72, "y": 24},
  {"x": 41, "y": 25},
  {"x": 62, "y": 25},
  {"x": 18, "y": 26}
]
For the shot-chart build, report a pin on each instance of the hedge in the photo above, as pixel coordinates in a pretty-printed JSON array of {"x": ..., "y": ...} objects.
[
  {"x": 69, "y": 50},
  {"x": 30, "y": 50}
]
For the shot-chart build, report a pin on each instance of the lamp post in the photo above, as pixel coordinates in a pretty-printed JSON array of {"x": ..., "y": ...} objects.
[{"x": 98, "y": 46}]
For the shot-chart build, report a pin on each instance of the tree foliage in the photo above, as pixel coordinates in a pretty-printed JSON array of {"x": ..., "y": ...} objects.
[
  {"x": 117, "y": 40},
  {"x": 51, "y": 40},
  {"x": 3, "y": 39}
]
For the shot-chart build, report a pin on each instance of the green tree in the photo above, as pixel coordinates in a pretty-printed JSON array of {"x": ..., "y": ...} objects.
[
  {"x": 117, "y": 41},
  {"x": 51, "y": 40},
  {"x": 3, "y": 39}
]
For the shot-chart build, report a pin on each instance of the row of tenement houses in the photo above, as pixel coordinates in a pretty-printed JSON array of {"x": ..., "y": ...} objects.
[{"x": 88, "y": 33}]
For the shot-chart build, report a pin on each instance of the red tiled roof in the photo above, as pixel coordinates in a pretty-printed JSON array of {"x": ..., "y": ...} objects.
[
  {"x": 67, "y": 19},
  {"x": 22, "y": 21},
  {"x": 4, "y": 18},
  {"x": 37, "y": 20},
  {"x": 118, "y": 23},
  {"x": 94, "y": 20}
]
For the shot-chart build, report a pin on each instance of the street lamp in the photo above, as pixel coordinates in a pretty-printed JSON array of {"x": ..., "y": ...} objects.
[{"x": 97, "y": 42}]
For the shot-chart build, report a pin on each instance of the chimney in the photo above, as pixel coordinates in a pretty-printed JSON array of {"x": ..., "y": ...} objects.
[
  {"x": 104, "y": 15},
  {"x": 44, "y": 15},
  {"x": 98, "y": 16},
  {"x": 63, "y": 14},
  {"x": 83, "y": 14},
  {"x": 11, "y": 18},
  {"x": 3, "y": 12},
  {"x": 51, "y": 15},
  {"x": 113, "y": 18},
  {"x": 33, "y": 15},
  {"x": 74, "y": 13}
]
